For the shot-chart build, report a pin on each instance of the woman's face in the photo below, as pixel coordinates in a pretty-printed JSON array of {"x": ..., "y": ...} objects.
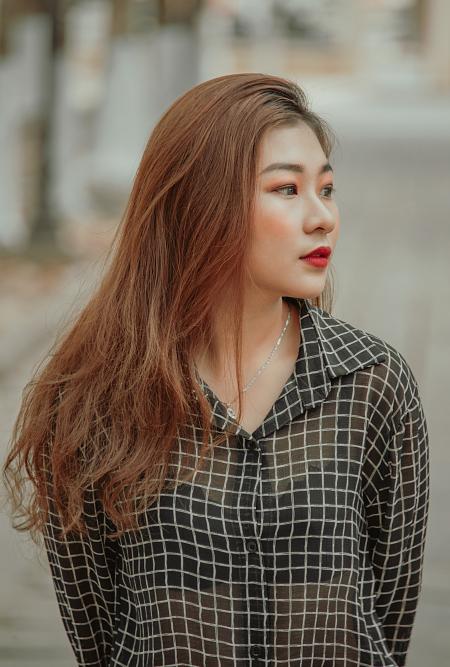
[{"x": 295, "y": 212}]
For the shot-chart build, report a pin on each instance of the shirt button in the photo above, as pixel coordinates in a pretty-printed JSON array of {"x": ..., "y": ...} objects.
[
  {"x": 256, "y": 651},
  {"x": 251, "y": 545}
]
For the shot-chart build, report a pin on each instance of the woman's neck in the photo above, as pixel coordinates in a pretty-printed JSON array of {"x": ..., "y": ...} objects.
[{"x": 262, "y": 326}]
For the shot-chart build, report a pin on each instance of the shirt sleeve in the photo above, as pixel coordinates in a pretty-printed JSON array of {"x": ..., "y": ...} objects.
[
  {"x": 83, "y": 572},
  {"x": 397, "y": 521}
]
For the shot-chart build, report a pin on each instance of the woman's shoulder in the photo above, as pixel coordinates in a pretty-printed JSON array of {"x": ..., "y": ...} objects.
[{"x": 390, "y": 371}]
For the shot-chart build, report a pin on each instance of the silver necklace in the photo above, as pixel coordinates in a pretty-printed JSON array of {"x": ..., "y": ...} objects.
[{"x": 230, "y": 409}]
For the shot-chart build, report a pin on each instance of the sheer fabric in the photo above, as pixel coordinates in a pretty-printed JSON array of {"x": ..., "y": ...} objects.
[{"x": 298, "y": 544}]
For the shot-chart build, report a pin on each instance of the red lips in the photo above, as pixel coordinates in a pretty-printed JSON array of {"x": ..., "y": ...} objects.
[{"x": 321, "y": 251}]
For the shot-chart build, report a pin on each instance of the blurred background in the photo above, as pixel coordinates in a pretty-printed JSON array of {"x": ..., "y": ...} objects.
[{"x": 82, "y": 82}]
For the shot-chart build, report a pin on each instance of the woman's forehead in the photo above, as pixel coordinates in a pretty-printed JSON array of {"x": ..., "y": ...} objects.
[{"x": 296, "y": 145}]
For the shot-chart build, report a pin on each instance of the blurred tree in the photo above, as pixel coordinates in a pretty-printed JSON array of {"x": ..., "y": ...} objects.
[
  {"x": 3, "y": 28},
  {"x": 33, "y": 32},
  {"x": 133, "y": 16},
  {"x": 166, "y": 12},
  {"x": 436, "y": 15},
  {"x": 120, "y": 17},
  {"x": 178, "y": 11},
  {"x": 43, "y": 223},
  {"x": 178, "y": 47},
  {"x": 419, "y": 11},
  {"x": 37, "y": 129}
]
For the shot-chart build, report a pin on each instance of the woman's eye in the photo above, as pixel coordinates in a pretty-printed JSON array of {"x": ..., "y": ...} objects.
[
  {"x": 330, "y": 189},
  {"x": 293, "y": 190},
  {"x": 287, "y": 187}
]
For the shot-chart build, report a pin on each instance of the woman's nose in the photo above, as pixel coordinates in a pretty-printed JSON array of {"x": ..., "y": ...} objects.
[{"x": 320, "y": 217}]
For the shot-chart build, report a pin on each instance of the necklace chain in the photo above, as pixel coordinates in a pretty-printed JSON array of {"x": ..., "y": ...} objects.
[
  {"x": 269, "y": 359},
  {"x": 230, "y": 409}
]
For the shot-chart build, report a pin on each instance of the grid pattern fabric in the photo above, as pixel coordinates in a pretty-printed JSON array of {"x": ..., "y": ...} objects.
[{"x": 301, "y": 543}]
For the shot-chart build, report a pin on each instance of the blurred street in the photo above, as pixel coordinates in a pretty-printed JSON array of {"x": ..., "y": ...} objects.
[
  {"x": 31, "y": 631},
  {"x": 391, "y": 167},
  {"x": 391, "y": 188}
]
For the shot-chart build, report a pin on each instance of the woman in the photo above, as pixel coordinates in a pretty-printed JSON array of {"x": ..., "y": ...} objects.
[{"x": 223, "y": 472}]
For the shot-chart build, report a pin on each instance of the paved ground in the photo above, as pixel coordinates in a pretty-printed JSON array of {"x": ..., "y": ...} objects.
[
  {"x": 31, "y": 631},
  {"x": 392, "y": 279}
]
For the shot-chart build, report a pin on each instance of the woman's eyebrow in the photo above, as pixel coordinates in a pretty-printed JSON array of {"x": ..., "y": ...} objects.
[{"x": 297, "y": 167}]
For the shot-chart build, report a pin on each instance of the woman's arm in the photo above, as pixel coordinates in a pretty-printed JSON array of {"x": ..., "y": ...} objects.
[
  {"x": 397, "y": 521},
  {"x": 83, "y": 571}
]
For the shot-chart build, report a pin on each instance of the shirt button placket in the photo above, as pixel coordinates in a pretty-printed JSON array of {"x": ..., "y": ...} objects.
[
  {"x": 252, "y": 546},
  {"x": 256, "y": 653},
  {"x": 255, "y": 590}
]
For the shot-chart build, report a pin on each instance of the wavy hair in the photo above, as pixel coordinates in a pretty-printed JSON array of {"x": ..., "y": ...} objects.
[{"x": 118, "y": 388}]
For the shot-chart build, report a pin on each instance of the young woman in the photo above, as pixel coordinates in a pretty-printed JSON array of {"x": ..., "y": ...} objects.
[{"x": 223, "y": 472}]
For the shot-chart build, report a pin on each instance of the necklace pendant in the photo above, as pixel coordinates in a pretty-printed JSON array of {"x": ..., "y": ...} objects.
[{"x": 231, "y": 412}]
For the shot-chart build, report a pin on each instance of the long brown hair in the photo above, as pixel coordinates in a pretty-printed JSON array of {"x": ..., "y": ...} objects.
[{"x": 119, "y": 385}]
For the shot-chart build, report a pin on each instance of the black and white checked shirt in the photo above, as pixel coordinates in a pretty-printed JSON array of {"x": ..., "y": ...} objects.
[{"x": 299, "y": 544}]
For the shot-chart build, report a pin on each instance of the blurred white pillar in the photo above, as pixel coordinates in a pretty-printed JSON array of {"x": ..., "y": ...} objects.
[
  {"x": 350, "y": 23},
  {"x": 21, "y": 85},
  {"x": 131, "y": 105},
  {"x": 147, "y": 72},
  {"x": 215, "y": 27},
  {"x": 12, "y": 221},
  {"x": 179, "y": 56},
  {"x": 257, "y": 13},
  {"x": 81, "y": 80}
]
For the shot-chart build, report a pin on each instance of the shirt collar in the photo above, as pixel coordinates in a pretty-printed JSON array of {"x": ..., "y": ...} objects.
[
  {"x": 329, "y": 348},
  {"x": 344, "y": 347}
]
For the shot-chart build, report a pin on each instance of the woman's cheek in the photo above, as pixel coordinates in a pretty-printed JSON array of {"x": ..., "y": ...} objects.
[
  {"x": 335, "y": 233},
  {"x": 276, "y": 218},
  {"x": 276, "y": 222}
]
